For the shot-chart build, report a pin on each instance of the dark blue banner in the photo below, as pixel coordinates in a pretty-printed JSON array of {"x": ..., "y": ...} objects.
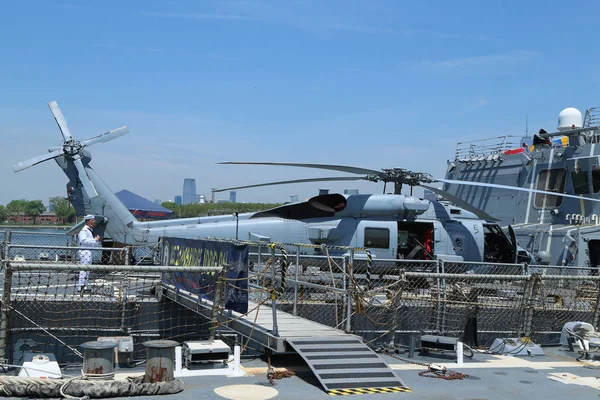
[{"x": 195, "y": 252}]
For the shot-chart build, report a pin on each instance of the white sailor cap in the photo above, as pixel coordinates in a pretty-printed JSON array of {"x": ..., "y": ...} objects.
[{"x": 88, "y": 217}]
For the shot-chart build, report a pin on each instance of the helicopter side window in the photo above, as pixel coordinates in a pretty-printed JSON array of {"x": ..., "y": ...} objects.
[
  {"x": 581, "y": 183},
  {"x": 550, "y": 180},
  {"x": 377, "y": 238}
]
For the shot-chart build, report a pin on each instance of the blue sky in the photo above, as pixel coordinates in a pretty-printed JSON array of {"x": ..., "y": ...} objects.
[{"x": 377, "y": 84}]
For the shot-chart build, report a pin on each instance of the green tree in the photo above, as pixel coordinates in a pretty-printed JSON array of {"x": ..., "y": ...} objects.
[
  {"x": 61, "y": 209},
  {"x": 3, "y": 214},
  {"x": 34, "y": 208},
  {"x": 176, "y": 208},
  {"x": 16, "y": 208}
]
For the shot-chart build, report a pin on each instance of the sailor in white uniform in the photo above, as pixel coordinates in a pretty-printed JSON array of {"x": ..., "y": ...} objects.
[{"x": 86, "y": 239}]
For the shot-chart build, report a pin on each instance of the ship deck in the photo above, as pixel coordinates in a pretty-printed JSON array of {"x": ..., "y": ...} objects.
[{"x": 556, "y": 375}]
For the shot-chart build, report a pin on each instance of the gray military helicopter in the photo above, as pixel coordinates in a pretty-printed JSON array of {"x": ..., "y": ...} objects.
[{"x": 391, "y": 225}]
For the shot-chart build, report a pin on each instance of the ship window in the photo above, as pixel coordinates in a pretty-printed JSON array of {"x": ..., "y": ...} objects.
[
  {"x": 377, "y": 238},
  {"x": 550, "y": 180},
  {"x": 581, "y": 183},
  {"x": 596, "y": 179}
]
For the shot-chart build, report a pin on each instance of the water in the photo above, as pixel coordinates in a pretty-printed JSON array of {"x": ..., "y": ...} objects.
[{"x": 55, "y": 237}]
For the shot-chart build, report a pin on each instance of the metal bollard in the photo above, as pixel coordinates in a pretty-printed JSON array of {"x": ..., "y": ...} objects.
[
  {"x": 98, "y": 358},
  {"x": 160, "y": 355}
]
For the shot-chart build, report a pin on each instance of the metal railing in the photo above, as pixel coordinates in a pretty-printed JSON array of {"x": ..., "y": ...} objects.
[
  {"x": 381, "y": 300},
  {"x": 592, "y": 117},
  {"x": 404, "y": 298},
  {"x": 479, "y": 148}
]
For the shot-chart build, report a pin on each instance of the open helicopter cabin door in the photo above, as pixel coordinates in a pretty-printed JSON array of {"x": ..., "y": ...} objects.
[{"x": 415, "y": 241}]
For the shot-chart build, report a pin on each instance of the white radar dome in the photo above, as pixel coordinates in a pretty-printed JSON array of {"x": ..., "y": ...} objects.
[{"x": 569, "y": 118}]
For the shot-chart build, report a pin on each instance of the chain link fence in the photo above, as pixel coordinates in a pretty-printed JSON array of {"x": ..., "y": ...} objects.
[
  {"x": 381, "y": 300},
  {"x": 43, "y": 311},
  {"x": 392, "y": 300}
]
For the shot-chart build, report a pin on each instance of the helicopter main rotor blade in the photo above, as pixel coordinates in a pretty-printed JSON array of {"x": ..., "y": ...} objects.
[
  {"x": 461, "y": 203},
  {"x": 105, "y": 137},
  {"x": 60, "y": 120},
  {"x": 330, "y": 179},
  {"x": 331, "y": 167},
  {"x": 36, "y": 160},
  {"x": 85, "y": 179},
  {"x": 520, "y": 189}
]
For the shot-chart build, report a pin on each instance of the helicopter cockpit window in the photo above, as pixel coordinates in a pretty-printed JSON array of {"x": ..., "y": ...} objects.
[
  {"x": 377, "y": 238},
  {"x": 581, "y": 182},
  {"x": 497, "y": 246},
  {"x": 550, "y": 180}
]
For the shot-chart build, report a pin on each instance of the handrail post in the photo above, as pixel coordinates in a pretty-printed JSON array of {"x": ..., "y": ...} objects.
[
  {"x": 124, "y": 291},
  {"x": 259, "y": 270},
  {"x": 7, "y": 238},
  {"x": 4, "y": 313},
  {"x": 345, "y": 286},
  {"x": 6, "y": 291},
  {"x": 444, "y": 294},
  {"x": 438, "y": 318},
  {"x": 295, "y": 310},
  {"x": 274, "y": 295},
  {"x": 216, "y": 306},
  {"x": 348, "y": 272},
  {"x": 529, "y": 298},
  {"x": 596, "y": 316}
]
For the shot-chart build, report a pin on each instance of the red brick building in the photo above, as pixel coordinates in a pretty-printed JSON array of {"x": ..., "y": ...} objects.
[{"x": 42, "y": 219}]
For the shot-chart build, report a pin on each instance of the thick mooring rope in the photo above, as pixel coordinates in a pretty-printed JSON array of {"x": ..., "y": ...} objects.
[{"x": 82, "y": 388}]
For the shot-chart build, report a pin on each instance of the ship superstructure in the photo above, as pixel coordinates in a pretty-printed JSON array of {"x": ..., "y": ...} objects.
[{"x": 557, "y": 230}]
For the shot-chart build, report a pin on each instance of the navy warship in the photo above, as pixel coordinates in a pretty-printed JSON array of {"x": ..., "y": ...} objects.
[{"x": 555, "y": 229}]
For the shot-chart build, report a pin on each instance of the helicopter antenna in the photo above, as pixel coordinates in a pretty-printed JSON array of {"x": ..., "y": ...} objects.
[{"x": 526, "y": 125}]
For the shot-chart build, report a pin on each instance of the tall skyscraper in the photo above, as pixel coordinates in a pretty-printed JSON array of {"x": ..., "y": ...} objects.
[
  {"x": 178, "y": 200},
  {"x": 189, "y": 191},
  {"x": 232, "y": 196}
]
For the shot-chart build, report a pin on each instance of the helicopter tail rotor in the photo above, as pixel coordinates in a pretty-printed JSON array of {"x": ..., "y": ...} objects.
[
  {"x": 37, "y": 160},
  {"x": 60, "y": 120},
  {"x": 71, "y": 149}
]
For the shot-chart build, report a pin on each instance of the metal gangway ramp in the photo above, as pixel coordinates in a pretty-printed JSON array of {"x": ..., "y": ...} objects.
[
  {"x": 345, "y": 365},
  {"x": 342, "y": 363}
]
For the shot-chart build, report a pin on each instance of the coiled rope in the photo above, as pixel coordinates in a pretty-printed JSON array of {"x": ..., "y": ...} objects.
[{"x": 81, "y": 388}]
